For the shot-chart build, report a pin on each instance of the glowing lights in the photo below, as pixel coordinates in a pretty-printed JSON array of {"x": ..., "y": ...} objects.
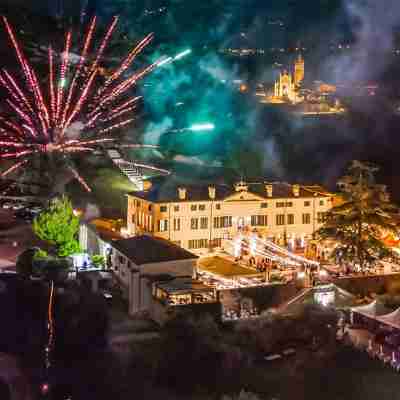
[
  {"x": 202, "y": 127},
  {"x": 169, "y": 60},
  {"x": 82, "y": 108},
  {"x": 237, "y": 247},
  {"x": 45, "y": 388},
  {"x": 164, "y": 61},
  {"x": 80, "y": 179},
  {"x": 182, "y": 54}
]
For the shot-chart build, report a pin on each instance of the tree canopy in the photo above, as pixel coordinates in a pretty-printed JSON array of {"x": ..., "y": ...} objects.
[
  {"x": 359, "y": 223},
  {"x": 58, "y": 226}
]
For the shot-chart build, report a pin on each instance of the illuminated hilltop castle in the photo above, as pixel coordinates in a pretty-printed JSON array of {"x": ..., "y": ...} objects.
[{"x": 286, "y": 88}]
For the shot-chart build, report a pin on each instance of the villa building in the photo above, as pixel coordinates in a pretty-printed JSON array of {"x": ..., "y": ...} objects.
[{"x": 199, "y": 217}]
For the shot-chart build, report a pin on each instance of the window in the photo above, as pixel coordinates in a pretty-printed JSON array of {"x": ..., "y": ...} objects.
[
  {"x": 194, "y": 223},
  {"x": 307, "y": 203},
  {"x": 218, "y": 206},
  {"x": 290, "y": 219},
  {"x": 222, "y": 222},
  {"x": 162, "y": 225},
  {"x": 280, "y": 219},
  {"x": 280, "y": 204},
  {"x": 203, "y": 223},
  {"x": 289, "y": 204},
  {"x": 193, "y": 207},
  {"x": 264, "y": 205},
  {"x": 202, "y": 207},
  {"x": 198, "y": 244},
  {"x": 306, "y": 218},
  {"x": 321, "y": 217},
  {"x": 321, "y": 203},
  {"x": 216, "y": 242},
  {"x": 163, "y": 208},
  {"x": 133, "y": 218},
  {"x": 258, "y": 220},
  {"x": 150, "y": 207},
  {"x": 177, "y": 224},
  {"x": 176, "y": 208}
]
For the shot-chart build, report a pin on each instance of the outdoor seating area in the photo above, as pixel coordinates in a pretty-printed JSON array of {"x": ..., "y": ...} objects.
[
  {"x": 375, "y": 330},
  {"x": 223, "y": 273},
  {"x": 183, "y": 291}
]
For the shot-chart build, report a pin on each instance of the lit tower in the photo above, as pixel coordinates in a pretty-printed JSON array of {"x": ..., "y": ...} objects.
[{"x": 299, "y": 70}]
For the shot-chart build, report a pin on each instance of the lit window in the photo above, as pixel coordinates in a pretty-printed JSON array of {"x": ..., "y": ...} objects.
[
  {"x": 218, "y": 206},
  {"x": 258, "y": 220},
  {"x": 162, "y": 225},
  {"x": 321, "y": 216},
  {"x": 321, "y": 203},
  {"x": 306, "y": 218},
  {"x": 203, "y": 223},
  {"x": 194, "y": 223},
  {"x": 177, "y": 224}
]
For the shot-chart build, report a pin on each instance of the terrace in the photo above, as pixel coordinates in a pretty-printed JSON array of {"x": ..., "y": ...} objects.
[{"x": 183, "y": 291}]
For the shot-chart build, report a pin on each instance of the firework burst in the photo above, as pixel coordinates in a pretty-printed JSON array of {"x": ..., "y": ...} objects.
[{"x": 78, "y": 110}]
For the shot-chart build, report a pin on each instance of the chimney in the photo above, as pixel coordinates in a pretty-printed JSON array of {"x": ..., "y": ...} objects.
[
  {"x": 241, "y": 187},
  {"x": 211, "y": 192},
  {"x": 296, "y": 190},
  {"x": 268, "y": 189},
  {"x": 182, "y": 193},
  {"x": 147, "y": 185}
]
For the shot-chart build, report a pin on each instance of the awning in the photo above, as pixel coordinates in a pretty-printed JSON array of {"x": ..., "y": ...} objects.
[
  {"x": 392, "y": 319},
  {"x": 372, "y": 310}
]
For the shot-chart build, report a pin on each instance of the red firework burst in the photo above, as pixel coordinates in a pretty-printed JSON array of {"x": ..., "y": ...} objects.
[{"x": 76, "y": 111}]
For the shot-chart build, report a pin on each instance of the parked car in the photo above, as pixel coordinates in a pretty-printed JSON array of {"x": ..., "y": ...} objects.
[
  {"x": 8, "y": 205},
  {"x": 36, "y": 209}
]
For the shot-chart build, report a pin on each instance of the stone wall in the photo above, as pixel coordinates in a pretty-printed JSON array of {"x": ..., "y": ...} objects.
[
  {"x": 161, "y": 313},
  {"x": 260, "y": 297}
]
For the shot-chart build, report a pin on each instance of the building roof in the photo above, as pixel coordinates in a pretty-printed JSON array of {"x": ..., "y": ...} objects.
[
  {"x": 183, "y": 285},
  {"x": 146, "y": 249},
  {"x": 101, "y": 230},
  {"x": 167, "y": 191}
]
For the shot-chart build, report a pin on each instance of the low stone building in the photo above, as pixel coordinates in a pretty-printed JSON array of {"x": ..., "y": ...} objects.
[{"x": 141, "y": 260}]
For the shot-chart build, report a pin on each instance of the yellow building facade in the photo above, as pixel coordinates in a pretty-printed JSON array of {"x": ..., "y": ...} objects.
[{"x": 198, "y": 218}]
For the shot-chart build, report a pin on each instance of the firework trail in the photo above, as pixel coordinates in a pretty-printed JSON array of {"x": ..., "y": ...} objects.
[{"x": 77, "y": 111}]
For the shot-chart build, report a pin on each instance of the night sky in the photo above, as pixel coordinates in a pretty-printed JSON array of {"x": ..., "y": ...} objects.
[{"x": 276, "y": 145}]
